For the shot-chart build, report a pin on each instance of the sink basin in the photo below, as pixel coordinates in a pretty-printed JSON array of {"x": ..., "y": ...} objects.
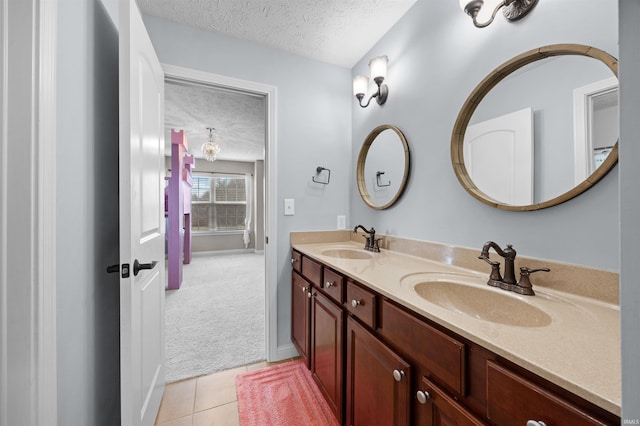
[
  {"x": 482, "y": 303},
  {"x": 345, "y": 253}
]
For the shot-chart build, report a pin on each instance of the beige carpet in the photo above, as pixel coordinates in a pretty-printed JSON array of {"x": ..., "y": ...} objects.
[{"x": 215, "y": 321}]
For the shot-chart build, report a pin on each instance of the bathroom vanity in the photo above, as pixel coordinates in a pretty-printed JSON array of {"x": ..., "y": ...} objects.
[{"x": 414, "y": 336}]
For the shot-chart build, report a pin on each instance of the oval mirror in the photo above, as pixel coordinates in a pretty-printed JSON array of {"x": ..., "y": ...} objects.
[
  {"x": 539, "y": 130},
  {"x": 383, "y": 167}
]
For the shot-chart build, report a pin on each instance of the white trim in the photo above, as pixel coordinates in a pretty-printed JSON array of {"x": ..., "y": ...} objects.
[
  {"x": 47, "y": 220},
  {"x": 271, "y": 277},
  {"x": 582, "y": 111},
  {"x": 287, "y": 351},
  {"x": 3, "y": 216},
  {"x": 33, "y": 358}
]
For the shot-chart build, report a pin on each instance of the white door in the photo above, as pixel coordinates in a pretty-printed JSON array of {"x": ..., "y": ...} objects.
[
  {"x": 498, "y": 155},
  {"x": 141, "y": 221}
]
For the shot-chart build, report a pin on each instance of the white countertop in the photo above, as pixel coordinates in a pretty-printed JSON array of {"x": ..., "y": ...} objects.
[{"x": 579, "y": 348}]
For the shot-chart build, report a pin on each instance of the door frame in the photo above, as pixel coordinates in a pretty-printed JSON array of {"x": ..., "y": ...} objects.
[
  {"x": 37, "y": 356},
  {"x": 189, "y": 75},
  {"x": 582, "y": 119}
]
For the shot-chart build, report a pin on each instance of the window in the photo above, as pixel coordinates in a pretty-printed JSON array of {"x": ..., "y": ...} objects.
[{"x": 218, "y": 203}]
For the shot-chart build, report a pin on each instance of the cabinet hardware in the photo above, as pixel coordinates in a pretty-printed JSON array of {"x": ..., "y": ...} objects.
[
  {"x": 422, "y": 396},
  {"x": 355, "y": 303},
  {"x": 293, "y": 261},
  {"x": 328, "y": 284},
  {"x": 309, "y": 295},
  {"x": 398, "y": 375}
]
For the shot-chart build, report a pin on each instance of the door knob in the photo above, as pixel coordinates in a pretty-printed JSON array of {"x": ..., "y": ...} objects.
[{"x": 137, "y": 266}]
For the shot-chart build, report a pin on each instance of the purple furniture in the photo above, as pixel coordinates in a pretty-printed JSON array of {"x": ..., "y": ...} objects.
[{"x": 178, "y": 204}]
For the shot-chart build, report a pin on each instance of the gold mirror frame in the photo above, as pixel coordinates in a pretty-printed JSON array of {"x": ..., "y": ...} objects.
[
  {"x": 362, "y": 188},
  {"x": 485, "y": 86}
]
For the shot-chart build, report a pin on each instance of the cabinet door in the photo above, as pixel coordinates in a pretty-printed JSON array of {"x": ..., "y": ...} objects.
[
  {"x": 512, "y": 399},
  {"x": 378, "y": 381},
  {"x": 440, "y": 409},
  {"x": 327, "y": 350},
  {"x": 300, "y": 315}
]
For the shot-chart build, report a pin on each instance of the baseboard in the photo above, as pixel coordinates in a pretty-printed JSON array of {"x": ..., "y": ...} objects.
[
  {"x": 222, "y": 252},
  {"x": 258, "y": 251},
  {"x": 285, "y": 351}
]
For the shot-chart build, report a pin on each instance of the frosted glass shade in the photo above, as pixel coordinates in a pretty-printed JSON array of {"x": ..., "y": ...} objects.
[
  {"x": 378, "y": 67},
  {"x": 360, "y": 85}
]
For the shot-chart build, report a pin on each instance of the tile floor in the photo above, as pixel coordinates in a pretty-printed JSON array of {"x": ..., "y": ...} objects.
[{"x": 205, "y": 400}]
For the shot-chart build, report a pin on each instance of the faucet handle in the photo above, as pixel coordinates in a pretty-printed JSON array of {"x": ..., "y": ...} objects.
[{"x": 524, "y": 285}]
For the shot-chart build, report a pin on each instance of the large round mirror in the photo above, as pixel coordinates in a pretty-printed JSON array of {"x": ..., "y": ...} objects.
[
  {"x": 383, "y": 167},
  {"x": 540, "y": 129}
]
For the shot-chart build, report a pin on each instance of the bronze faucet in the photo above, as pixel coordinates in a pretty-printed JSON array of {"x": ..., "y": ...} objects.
[
  {"x": 509, "y": 281},
  {"x": 371, "y": 243}
]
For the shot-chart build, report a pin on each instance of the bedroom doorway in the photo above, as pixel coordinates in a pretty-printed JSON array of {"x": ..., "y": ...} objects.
[{"x": 227, "y": 251}]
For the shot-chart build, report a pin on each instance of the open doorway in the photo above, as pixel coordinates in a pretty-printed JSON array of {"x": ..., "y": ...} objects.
[{"x": 220, "y": 318}]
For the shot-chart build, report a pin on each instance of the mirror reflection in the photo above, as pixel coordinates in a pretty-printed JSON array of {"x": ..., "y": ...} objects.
[
  {"x": 383, "y": 167},
  {"x": 539, "y": 132}
]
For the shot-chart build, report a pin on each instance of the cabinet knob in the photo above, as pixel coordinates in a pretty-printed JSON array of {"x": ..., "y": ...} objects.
[
  {"x": 536, "y": 423},
  {"x": 398, "y": 375},
  {"x": 304, "y": 289},
  {"x": 355, "y": 303},
  {"x": 309, "y": 295},
  {"x": 328, "y": 284},
  {"x": 422, "y": 396},
  {"x": 293, "y": 261}
]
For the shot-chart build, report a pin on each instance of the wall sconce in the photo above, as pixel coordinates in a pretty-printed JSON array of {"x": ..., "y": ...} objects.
[
  {"x": 378, "y": 69},
  {"x": 513, "y": 9}
]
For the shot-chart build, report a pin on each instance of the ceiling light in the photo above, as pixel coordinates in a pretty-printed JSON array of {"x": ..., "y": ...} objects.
[
  {"x": 378, "y": 70},
  {"x": 210, "y": 148},
  {"x": 513, "y": 9}
]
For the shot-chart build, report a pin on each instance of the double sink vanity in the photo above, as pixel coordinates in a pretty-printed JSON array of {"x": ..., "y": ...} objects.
[{"x": 414, "y": 335}]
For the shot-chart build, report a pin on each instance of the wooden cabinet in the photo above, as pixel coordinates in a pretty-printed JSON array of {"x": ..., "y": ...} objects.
[
  {"x": 442, "y": 410},
  {"x": 327, "y": 349},
  {"x": 301, "y": 315},
  {"x": 513, "y": 400},
  {"x": 378, "y": 381},
  {"x": 379, "y": 363}
]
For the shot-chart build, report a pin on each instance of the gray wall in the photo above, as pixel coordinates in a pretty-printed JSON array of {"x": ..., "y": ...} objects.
[
  {"x": 630, "y": 207},
  {"x": 436, "y": 58},
  {"x": 88, "y": 297},
  {"x": 313, "y": 119}
]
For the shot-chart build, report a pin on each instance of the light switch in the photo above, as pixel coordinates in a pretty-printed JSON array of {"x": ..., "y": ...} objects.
[
  {"x": 289, "y": 207},
  {"x": 341, "y": 222}
]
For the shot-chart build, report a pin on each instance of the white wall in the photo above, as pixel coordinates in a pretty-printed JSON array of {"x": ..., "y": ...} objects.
[
  {"x": 88, "y": 297},
  {"x": 630, "y": 207},
  {"x": 436, "y": 58},
  {"x": 313, "y": 119}
]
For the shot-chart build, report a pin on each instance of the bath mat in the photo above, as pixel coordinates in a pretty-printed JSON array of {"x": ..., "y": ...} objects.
[{"x": 282, "y": 395}]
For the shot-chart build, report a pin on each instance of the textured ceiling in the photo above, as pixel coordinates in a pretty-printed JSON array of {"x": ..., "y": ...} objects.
[
  {"x": 239, "y": 120},
  {"x": 338, "y": 32}
]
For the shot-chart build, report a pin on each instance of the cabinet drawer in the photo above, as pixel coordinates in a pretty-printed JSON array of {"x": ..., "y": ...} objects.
[
  {"x": 441, "y": 409},
  {"x": 332, "y": 285},
  {"x": 442, "y": 355},
  {"x": 361, "y": 303},
  {"x": 312, "y": 271},
  {"x": 295, "y": 261},
  {"x": 513, "y": 400}
]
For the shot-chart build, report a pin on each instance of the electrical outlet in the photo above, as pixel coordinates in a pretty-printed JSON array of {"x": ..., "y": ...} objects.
[
  {"x": 289, "y": 207},
  {"x": 341, "y": 222}
]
